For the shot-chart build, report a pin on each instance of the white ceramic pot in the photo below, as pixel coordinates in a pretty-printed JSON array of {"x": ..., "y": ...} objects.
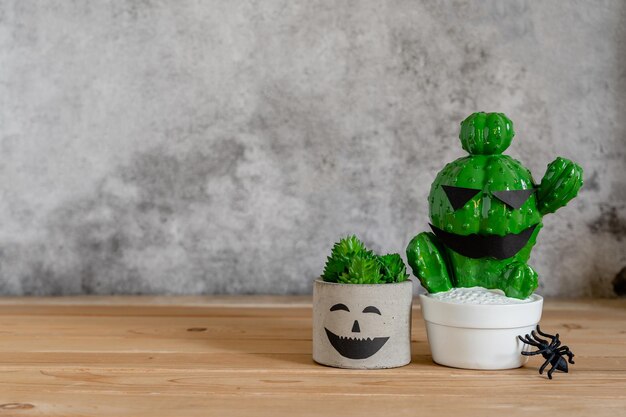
[
  {"x": 478, "y": 336},
  {"x": 362, "y": 326}
]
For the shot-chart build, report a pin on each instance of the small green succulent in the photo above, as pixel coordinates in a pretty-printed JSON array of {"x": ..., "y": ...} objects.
[{"x": 350, "y": 262}]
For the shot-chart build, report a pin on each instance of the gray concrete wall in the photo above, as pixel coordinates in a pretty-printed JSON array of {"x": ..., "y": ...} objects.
[{"x": 199, "y": 147}]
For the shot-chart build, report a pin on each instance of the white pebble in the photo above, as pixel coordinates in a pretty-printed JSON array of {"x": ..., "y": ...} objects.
[{"x": 476, "y": 295}]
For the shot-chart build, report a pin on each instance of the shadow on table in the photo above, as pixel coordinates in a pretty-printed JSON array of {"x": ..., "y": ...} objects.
[{"x": 287, "y": 348}]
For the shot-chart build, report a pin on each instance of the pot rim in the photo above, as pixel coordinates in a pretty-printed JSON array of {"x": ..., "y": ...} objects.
[
  {"x": 481, "y": 316},
  {"x": 320, "y": 280},
  {"x": 536, "y": 299}
]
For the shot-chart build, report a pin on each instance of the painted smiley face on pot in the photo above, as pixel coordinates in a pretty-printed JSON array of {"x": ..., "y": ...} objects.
[{"x": 354, "y": 346}]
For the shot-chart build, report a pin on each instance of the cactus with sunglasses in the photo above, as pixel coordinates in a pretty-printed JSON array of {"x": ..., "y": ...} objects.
[{"x": 486, "y": 212}]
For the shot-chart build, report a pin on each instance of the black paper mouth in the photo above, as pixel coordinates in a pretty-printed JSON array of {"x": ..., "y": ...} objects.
[
  {"x": 481, "y": 246},
  {"x": 355, "y": 348}
]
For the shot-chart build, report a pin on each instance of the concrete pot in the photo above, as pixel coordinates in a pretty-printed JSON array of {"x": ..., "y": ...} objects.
[
  {"x": 362, "y": 326},
  {"x": 478, "y": 336}
]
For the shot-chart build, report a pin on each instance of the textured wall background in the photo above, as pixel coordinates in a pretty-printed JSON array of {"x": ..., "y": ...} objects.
[{"x": 222, "y": 146}]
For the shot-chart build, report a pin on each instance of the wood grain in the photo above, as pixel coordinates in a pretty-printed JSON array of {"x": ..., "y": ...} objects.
[{"x": 251, "y": 356}]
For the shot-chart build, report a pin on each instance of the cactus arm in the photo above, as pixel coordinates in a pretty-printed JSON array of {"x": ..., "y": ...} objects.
[
  {"x": 520, "y": 281},
  {"x": 427, "y": 259},
  {"x": 559, "y": 185}
]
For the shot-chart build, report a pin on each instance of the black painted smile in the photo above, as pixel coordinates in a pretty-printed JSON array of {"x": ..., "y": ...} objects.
[
  {"x": 481, "y": 246},
  {"x": 355, "y": 348}
]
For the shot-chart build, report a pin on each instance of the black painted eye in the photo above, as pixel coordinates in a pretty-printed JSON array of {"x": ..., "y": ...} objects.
[
  {"x": 371, "y": 309},
  {"x": 459, "y": 196},
  {"x": 339, "y": 307},
  {"x": 513, "y": 198}
]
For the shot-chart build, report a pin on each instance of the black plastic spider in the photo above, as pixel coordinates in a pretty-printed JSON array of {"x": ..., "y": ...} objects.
[{"x": 552, "y": 351}]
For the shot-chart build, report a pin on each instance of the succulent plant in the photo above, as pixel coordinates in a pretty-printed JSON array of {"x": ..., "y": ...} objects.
[
  {"x": 486, "y": 212},
  {"x": 351, "y": 262}
]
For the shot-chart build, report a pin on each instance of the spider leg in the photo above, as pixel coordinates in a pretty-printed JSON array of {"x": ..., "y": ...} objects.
[
  {"x": 564, "y": 350},
  {"x": 544, "y": 334},
  {"x": 539, "y": 339},
  {"x": 537, "y": 352},
  {"x": 543, "y": 367},
  {"x": 551, "y": 371},
  {"x": 554, "y": 346},
  {"x": 529, "y": 341}
]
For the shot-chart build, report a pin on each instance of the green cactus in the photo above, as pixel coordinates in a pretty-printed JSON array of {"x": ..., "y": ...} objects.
[
  {"x": 486, "y": 212},
  {"x": 427, "y": 258},
  {"x": 350, "y": 262},
  {"x": 559, "y": 185}
]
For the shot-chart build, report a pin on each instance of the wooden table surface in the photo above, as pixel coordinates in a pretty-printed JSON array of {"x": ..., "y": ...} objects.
[{"x": 251, "y": 356}]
